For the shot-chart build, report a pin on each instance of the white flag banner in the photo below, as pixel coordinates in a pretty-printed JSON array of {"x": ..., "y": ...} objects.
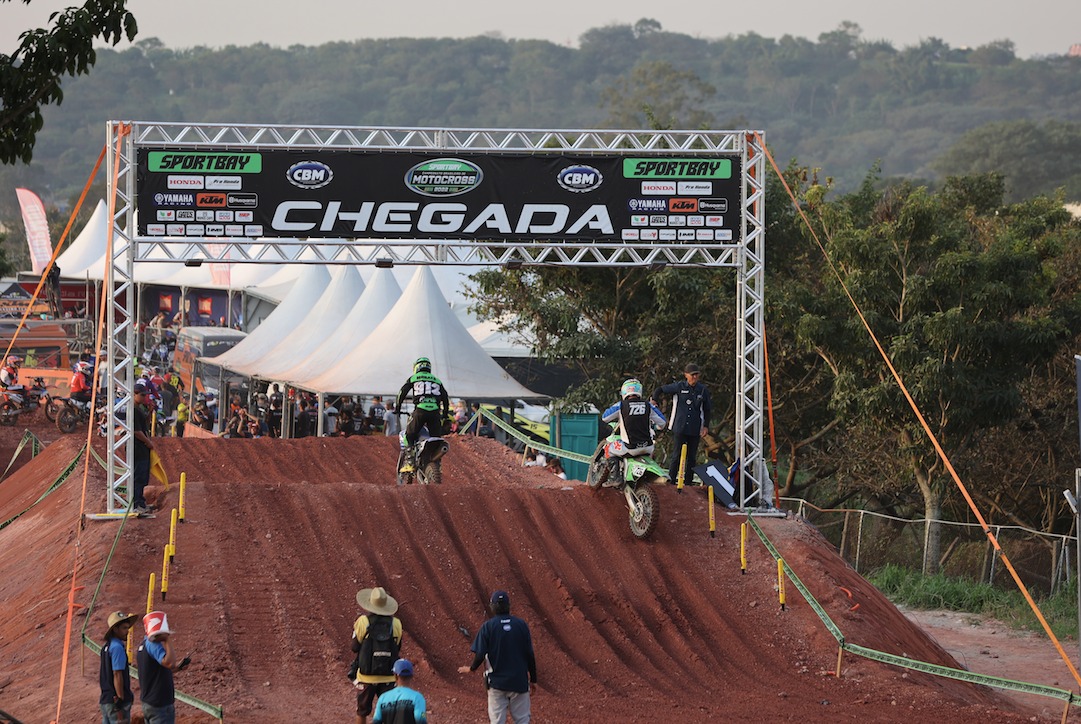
[
  {"x": 220, "y": 272},
  {"x": 37, "y": 229}
]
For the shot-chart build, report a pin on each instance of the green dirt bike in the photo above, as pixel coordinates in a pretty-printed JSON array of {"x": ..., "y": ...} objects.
[{"x": 634, "y": 477}]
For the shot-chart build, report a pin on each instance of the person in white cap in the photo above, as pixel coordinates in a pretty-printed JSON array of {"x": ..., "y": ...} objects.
[
  {"x": 116, "y": 697},
  {"x": 377, "y": 641},
  {"x": 402, "y": 704},
  {"x": 157, "y": 662}
]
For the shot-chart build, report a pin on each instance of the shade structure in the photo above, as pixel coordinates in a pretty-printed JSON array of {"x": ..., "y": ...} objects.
[
  {"x": 86, "y": 252},
  {"x": 379, "y": 297},
  {"x": 421, "y": 324},
  {"x": 323, "y": 322},
  {"x": 282, "y": 321}
]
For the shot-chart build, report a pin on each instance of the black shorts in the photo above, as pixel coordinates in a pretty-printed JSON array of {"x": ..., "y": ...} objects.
[{"x": 366, "y": 696}]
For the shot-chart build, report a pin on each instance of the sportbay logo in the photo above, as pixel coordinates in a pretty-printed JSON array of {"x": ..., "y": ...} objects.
[
  {"x": 580, "y": 179},
  {"x": 174, "y": 199},
  {"x": 309, "y": 174},
  {"x": 644, "y": 205},
  {"x": 677, "y": 168},
  {"x": 192, "y": 161},
  {"x": 210, "y": 200},
  {"x": 443, "y": 177}
]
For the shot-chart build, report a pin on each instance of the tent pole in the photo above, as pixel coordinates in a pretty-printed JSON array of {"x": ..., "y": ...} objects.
[{"x": 322, "y": 397}]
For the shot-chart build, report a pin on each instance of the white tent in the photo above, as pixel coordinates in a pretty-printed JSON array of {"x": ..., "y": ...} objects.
[
  {"x": 420, "y": 325},
  {"x": 323, "y": 322},
  {"x": 379, "y": 297},
  {"x": 499, "y": 343},
  {"x": 289, "y": 314},
  {"x": 87, "y": 250}
]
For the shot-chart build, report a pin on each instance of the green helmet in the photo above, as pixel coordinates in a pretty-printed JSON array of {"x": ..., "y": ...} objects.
[{"x": 423, "y": 364}]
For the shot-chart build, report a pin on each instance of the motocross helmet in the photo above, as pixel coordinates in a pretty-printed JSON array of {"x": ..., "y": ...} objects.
[
  {"x": 14, "y": 360},
  {"x": 631, "y": 387},
  {"x": 84, "y": 367},
  {"x": 423, "y": 364}
]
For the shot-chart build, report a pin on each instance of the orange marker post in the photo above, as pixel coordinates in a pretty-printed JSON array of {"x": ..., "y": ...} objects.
[
  {"x": 712, "y": 516},
  {"x": 780, "y": 581},
  {"x": 743, "y": 548},
  {"x": 165, "y": 574},
  {"x": 183, "y": 494},
  {"x": 172, "y": 535}
]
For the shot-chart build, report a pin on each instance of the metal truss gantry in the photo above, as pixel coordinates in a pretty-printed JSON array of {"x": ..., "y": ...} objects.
[{"x": 746, "y": 255}]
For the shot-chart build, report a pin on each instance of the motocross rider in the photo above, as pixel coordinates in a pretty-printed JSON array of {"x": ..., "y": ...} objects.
[
  {"x": 638, "y": 418},
  {"x": 81, "y": 378},
  {"x": 9, "y": 376},
  {"x": 430, "y": 407}
]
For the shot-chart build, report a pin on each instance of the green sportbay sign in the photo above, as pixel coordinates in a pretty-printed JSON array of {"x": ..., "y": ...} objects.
[
  {"x": 176, "y": 161},
  {"x": 682, "y": 168}
]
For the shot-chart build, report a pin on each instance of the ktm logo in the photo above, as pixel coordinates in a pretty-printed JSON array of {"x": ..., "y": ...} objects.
[
  {"x": 684, "y": 206},
  {"x": 211, "y": 200}
]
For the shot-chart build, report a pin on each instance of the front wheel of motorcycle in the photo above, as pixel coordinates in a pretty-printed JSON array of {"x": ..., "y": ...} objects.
[
  {"x": 598, "y": 469},
  {"x": 51, "y": 408},
  {"x": 67, "y": 420},
  {"x": 8, "y": 413},
  {"x": 644, "y": 518}
]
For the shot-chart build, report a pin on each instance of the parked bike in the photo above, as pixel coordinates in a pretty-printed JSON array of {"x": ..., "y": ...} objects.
[
  {"x": 633, "y": 476},
  {"x": 427, "y": 468}
]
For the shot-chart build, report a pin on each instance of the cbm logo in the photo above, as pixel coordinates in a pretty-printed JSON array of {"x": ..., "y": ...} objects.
[
  {"x": 580, "y": 179},
  {"x": 309, "y": 174}
]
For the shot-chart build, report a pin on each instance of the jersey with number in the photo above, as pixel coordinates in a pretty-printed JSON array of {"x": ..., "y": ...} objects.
[
  {"x": 637, "y": 419},
  {"x": 426, "y": 392}
]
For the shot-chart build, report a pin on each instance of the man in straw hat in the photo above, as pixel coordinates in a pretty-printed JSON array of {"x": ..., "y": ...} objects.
[
  {"x": 157, "y": 662},
  {"x": 377, "y": 640},
  {"x": 116, "y": 697}
]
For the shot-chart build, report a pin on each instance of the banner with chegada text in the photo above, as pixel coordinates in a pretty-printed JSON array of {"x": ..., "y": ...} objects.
[
  {"x": 37, "y": 229},
  {"x": 348, "y": 194}
]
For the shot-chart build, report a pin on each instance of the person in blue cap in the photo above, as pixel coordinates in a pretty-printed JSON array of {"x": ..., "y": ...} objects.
[
  {"x": 402, "y": 704},
  {"x": 505, "y": 646}
]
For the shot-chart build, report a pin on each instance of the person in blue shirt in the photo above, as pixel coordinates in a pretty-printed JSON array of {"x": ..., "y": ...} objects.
[
  {"x": 401, "y": 705},
  {"x": 116, "y": 697},
  {"x": 157, "y": 662},
  {"x": 505, "y": 646}
]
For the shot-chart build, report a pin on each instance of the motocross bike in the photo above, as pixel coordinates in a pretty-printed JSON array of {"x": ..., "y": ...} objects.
[
  {"x": 74, "y": 414},
  {"x": 18, "y": 399},
  {"x": 633, "y": 477},
  {"x": 427, "y": 468}
]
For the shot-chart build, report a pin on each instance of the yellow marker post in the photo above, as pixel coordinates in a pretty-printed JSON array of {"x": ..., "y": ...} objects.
[
  {"x": 743, "y": 548},
  {"x": 780, "y": 581},
  {"x": 183, "y": 494},
  {"x": 172, "y": 534},
  {"x": 682, "y": 469},
  {"x": 131, "y": 640},
  {"x": 712, "y": 516},
  {"x": 150, "y": 595},
  {"x": 165, "y": 574}
]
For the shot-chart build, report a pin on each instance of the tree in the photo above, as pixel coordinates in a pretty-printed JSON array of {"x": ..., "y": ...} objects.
[
  {"x": 658, "y": 95},
  {"x": 31, "y": 77}
]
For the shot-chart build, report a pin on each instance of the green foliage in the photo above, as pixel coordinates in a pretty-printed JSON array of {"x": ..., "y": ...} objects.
[
  {"x": 30, "y": 77},
  {"x": 910, "y": 588}
]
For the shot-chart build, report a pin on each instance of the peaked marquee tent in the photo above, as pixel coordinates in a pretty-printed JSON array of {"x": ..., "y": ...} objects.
[{"x": 421, "y": 324}]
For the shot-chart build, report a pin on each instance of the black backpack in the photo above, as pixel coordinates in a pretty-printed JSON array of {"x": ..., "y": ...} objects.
[{"x": 378, "y": 649}]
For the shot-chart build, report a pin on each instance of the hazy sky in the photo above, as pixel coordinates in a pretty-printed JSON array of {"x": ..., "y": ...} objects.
[{"x": 1037, "y": 27}]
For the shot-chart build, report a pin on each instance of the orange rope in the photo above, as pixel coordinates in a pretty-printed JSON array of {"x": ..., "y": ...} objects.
[
  {"x": 923, "y": 423},
  {"x": 56, "y": 253},
  {"x": 104, "y": 304}
]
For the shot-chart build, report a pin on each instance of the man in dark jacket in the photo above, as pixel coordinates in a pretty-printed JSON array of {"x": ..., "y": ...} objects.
[
  {"x": 503, "y": 644},
  {"x": 689, "y": 420}
]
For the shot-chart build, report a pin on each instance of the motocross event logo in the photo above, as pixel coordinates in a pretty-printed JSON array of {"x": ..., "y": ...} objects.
[{"x": 443, "y": 177}]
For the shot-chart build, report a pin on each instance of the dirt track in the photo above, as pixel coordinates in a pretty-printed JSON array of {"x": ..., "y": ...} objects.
[{"x": 280, "y": 535}]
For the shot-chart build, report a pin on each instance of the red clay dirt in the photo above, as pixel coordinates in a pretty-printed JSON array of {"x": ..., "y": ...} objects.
[{"x": 280, "y": 535}]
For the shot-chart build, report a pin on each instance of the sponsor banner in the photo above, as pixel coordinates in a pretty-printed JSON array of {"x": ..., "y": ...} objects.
[
  {"x": 184, "y": 182},
  {"x": 380, "y": 195},
  {"x": 37, "y": 229}
]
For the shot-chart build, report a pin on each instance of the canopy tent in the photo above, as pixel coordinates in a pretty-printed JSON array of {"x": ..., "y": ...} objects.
[
  {"x": 421, "y": 324},
  {"x": 323, "y": 323},
  {"x": 282, "y": 321},
  {"x": 379, "y": 297},
  {"x": 500, "y": 343},
  {"x": 87, "y": 249}
]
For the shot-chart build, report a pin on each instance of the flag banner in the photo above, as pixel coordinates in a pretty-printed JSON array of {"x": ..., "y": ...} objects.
[{"x": 37, "y": 229}]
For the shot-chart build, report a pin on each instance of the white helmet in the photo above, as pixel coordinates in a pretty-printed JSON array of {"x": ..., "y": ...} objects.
[{"x": 631, "y": 387}]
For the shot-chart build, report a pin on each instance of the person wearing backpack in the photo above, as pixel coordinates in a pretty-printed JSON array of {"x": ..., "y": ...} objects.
[{"x": 377, "y": 641}]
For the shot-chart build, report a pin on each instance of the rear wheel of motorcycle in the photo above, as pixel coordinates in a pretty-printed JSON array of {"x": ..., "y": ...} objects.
[
  {"x": 649, "y": 506},
  {"x": 433, "y": 473},
  {"x": 67, "y": 420},
  {"x": 598, "y": 469},
  {"x": 8, "y": 413},
  {"x": 51, "y": 408}
]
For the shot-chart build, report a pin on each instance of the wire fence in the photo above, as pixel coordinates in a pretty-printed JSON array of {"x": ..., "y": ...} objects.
[{"x": 869, "y": 541}]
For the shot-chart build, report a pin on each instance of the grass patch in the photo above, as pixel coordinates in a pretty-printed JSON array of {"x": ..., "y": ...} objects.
[{"x": 915, "y": 590}]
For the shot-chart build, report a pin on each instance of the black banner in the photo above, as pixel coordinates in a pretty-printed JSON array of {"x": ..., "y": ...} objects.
[{"x": 684, "y": 199}]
